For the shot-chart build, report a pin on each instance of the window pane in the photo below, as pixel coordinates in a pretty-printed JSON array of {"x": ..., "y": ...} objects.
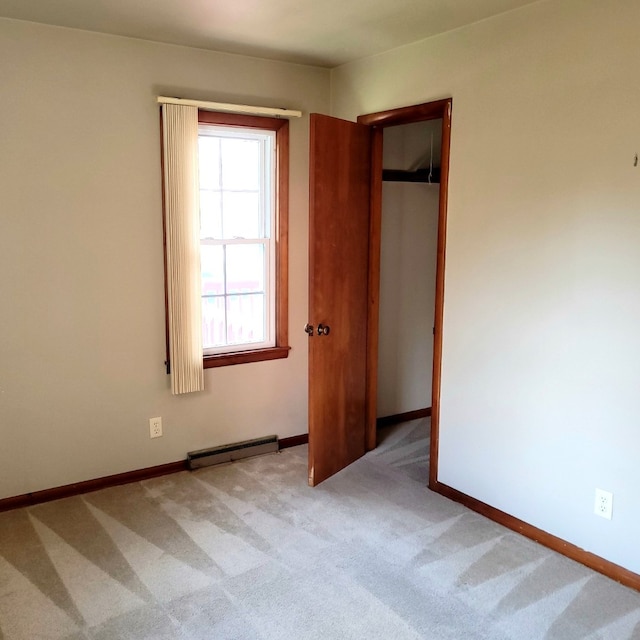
[
  {"x": 213, "y": 323},
  {"x": 245, "y": 318},
  {"x": 212, "y": 269},
  {"x": 210, "y": 214},
  {"x": 240, "y": 163},
  {"x": 241, "y": 215},
  {"x": 245, "y": 268},
  {"x": 209, "y": 161},
  {"x": 236, "y": 197}
]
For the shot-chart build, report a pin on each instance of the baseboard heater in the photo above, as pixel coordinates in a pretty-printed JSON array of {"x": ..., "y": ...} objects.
[{"x": 231, "y": 452}]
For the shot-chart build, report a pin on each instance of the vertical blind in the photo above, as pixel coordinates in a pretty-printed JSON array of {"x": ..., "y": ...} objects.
[{"x": 181, "y": 201}]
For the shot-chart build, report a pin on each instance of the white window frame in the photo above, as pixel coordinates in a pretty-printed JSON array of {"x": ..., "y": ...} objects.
[
  {"x": 266, "y": 239},
  {"x": 279, "y": 234}
]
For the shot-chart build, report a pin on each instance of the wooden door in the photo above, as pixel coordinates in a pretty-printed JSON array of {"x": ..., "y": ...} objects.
[{"x": 338, "y": 288}]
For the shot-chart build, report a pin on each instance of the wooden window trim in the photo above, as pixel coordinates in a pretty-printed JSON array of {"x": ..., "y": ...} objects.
[
  {"x": 281, "y": 231},
  {"x": 242, "y": 357}
]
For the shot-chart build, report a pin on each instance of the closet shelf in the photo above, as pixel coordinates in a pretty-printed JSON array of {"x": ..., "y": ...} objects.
[{"x": 421, "y": 175}]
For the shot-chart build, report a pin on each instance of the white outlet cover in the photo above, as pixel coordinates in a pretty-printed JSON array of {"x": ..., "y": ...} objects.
[
  {"x": 603, "y": 504},
  {"x": 155, "y": 427}
]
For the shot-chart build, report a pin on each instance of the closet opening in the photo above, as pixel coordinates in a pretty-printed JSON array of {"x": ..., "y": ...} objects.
[{"x": 407, "y": 242}]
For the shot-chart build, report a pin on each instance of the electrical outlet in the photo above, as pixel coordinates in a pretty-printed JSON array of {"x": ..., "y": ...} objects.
[
  {"x": 155, "y": 427},
  {"x": 603, "y": 506}
]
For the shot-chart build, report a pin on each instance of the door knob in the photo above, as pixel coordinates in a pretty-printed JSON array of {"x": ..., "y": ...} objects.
[
  {"x": 308, "y": 329},
  {"x": 323, "y": 330}
]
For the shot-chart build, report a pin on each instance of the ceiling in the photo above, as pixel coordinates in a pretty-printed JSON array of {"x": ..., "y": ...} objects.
[{"x": 322, "y": 32}]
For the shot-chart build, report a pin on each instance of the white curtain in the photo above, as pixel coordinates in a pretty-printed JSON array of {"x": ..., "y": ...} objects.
[{"x": 181, "y": 202}]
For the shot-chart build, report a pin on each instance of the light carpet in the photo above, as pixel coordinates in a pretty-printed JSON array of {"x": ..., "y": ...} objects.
[{"x": 249, "y": 551}]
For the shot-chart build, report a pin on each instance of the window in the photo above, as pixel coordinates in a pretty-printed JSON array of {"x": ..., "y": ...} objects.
[
  {"x": 243, "y": 162},
  {"x": 226, "y": 261}
]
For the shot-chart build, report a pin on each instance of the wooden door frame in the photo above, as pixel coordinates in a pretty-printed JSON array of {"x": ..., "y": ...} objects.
[{"x": 378, "y": 121}]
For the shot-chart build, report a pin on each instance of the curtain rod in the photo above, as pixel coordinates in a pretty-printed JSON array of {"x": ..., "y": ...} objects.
[{"x": 232, "y": 108}]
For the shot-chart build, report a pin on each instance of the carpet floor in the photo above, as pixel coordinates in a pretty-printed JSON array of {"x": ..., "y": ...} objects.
[{"x": 249, "y": 551}]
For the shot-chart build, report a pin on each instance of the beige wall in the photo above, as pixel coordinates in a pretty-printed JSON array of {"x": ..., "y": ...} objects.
[
  {"x": 541, "y": 373},
  {"x": 407, "y": 272},
  {"x": 81, "y": 267},
  {"x": 541, "y": 343}
]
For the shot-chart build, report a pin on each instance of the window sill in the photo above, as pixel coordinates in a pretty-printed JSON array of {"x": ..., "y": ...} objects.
[{"x": 241, "y": 357}]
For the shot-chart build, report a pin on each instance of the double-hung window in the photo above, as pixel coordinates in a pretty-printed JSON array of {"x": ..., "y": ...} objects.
[
  {"x": 243, "y": 237},
  {"x": 226, "y": 190}
]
